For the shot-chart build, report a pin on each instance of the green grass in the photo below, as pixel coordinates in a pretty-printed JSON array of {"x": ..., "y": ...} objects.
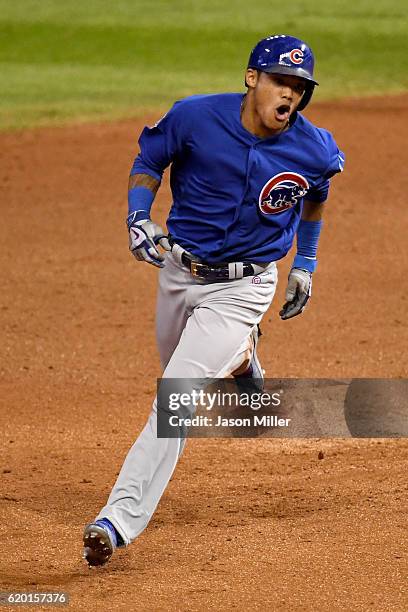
[{"x": 75, "y": 60}]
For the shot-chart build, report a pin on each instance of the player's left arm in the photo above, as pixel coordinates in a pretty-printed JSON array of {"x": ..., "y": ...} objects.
[
  {"x": 312, "y": 211},
  {"x": 299, "y": 288}
]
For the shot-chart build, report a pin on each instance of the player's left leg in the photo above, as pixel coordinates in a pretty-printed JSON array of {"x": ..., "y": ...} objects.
[{"x": 249, "y": 375}]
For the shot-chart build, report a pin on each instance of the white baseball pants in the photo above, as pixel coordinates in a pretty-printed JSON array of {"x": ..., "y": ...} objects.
[{"x": 203, "y": 331}]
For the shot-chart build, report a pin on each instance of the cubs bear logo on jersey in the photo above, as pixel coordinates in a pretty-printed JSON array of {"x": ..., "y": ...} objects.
[{"x": 281, "y": 192}]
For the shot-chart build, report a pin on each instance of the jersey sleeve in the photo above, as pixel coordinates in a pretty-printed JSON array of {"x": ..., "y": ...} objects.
[
  {"x": 160, "y": 144},
  {"x": 320, "y": 190}
]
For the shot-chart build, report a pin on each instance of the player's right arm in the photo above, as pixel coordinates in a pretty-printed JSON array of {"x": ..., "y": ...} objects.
[
  {"x": 144, "y": 235},
  {"x": 158, "y": 147},
  {"x": 144, "y": 180}
]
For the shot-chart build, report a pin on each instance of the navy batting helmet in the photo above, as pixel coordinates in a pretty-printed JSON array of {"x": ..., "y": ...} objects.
[{"x": 281, "y": 54}]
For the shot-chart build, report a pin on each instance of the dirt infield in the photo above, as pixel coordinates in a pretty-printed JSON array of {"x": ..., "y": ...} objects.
[{"x": 244, "y": 524}]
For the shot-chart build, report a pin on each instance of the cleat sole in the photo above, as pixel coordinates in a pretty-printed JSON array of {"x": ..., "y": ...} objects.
[{"x": 98, "y": 548}]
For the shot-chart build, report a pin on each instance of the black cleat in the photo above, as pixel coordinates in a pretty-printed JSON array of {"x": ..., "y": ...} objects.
[{"x": 99, "y": 544}]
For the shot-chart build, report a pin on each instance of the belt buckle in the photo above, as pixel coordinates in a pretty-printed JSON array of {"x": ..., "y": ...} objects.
[{"x": 194, "y": 268}]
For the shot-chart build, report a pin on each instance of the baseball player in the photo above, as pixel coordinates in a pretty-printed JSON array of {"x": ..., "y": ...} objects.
[{"x": 248, "y": 173}]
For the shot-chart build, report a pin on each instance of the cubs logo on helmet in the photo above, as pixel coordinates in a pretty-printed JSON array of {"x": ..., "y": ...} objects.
[
  {"x": 281, "y": 192},
  {"x": 295, "y": 56}
]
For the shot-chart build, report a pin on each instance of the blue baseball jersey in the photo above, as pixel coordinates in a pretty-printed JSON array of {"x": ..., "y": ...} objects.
[{"x": 236, "y": 197}]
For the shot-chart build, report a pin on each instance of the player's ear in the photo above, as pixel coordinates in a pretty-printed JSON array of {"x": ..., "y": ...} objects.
[{"x": 251, "y": 77}]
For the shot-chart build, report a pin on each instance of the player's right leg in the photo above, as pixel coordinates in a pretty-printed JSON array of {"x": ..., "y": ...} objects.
[
  {"x": 172, "y": 307},
  {"x": 220, "y": 322}
]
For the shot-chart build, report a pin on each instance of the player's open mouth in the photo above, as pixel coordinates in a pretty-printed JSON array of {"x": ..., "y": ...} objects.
[{"x": 282, "y": 112}]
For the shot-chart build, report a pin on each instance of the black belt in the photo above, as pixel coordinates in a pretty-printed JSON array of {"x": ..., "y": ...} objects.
[{"x": 215, "y": 272}]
